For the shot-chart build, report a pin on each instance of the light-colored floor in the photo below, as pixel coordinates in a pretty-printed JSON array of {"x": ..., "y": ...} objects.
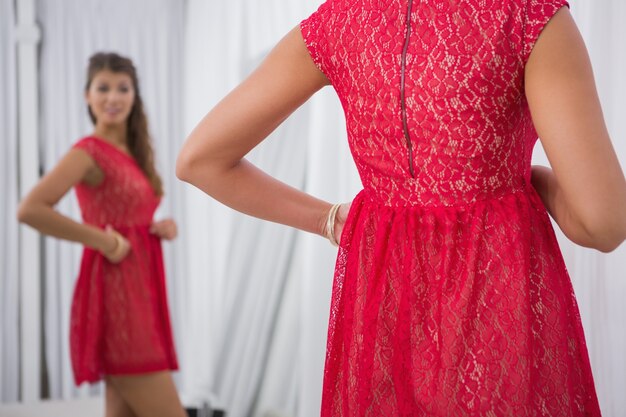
[{"x": 92, "y": 407}]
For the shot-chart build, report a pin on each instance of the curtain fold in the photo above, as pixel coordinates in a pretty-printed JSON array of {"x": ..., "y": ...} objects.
[{"x": 9, "y": 273}]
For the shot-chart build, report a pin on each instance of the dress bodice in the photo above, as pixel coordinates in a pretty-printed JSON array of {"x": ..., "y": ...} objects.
[
  {"x": 470, "y": 131},
  {"x": 124, "y": 198}
]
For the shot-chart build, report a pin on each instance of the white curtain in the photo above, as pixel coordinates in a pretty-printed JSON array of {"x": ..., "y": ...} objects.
[
  {"x": 150, "y": 33},
  {"x": 9, "y": 274}
]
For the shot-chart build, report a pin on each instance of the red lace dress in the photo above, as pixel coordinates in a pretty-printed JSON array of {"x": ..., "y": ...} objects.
[
  {"x": 450, "y": 296},
  {"x": 119, "y": 319}
]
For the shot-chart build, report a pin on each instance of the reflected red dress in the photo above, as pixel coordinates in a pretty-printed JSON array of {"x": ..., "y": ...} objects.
[
  {"x": 450, "y": 296},
  {"x": 119, "y": 318}
]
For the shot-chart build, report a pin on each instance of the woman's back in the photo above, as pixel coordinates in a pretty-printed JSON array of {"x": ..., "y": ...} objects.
[
  {"x": 450, "y": 297},
  {"x": 468, "y": 121}
]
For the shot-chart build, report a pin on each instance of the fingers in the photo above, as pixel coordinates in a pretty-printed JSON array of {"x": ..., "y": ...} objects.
[
  {"x": 343, "y": 212},
  {"x": 340, "y": 221},
  {"x": 165, "y": 229}
]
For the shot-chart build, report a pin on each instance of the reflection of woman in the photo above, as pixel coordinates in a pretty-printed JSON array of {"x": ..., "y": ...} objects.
[
  {"x": 120, "y": 328},
  {"x": 450, "y": 296}
]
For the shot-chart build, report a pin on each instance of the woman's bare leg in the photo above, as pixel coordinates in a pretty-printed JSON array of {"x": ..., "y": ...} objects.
[
  {"x": 148, "y": 395},
  {"x": 114, "y": 405}
]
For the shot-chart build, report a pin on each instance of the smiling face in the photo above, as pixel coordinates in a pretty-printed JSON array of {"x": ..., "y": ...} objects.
[{"x": 110, "y": 97}]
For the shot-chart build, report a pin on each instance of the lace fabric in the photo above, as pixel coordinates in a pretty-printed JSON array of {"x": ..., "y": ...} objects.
[
  {"x": 450, "y": 297},
  {"x": 119, "y": 318}
]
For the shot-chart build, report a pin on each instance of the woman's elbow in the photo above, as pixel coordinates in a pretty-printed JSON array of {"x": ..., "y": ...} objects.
[
  {"x": 185, "y": 166},
  {"x": 25, "y": 213},
  {"x": 606, "y": 234},
  {"x": 199, "y": 167},
  {"x": 610, "y": 242}
]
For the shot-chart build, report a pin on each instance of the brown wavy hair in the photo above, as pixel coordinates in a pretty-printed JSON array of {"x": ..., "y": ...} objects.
[{"x": 138, "y": 140}]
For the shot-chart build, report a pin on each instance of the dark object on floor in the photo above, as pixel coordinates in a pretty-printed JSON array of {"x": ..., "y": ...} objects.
[{"x": 206, "y": 412}]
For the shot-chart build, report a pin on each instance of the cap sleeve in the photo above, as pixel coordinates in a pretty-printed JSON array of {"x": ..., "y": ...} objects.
[
  {"x": 315, "y": 32},
  {"x": 92, "y": 147},
  {"x": 538, "y": 14}
]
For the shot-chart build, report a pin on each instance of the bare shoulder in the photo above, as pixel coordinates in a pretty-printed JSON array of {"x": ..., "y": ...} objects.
[
  {"x": 74, "y": 167},
  {"x": 79, "y": 165},
  {"x": 289, "y": 70},
  {"x": 560, "y": 45},
  {"x": 560, "y": 87},
  {"x": 293, "y": 43},
  {"x": 285, "y": 79}
]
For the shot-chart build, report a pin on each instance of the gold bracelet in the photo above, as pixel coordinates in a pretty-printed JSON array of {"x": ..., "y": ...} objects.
[
  {"x": 330, "y": 224},
  {"x": 119, "y": 243}
]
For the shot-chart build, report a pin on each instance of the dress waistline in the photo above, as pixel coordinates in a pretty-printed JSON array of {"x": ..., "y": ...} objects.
[{"x": 403, "y": 198}]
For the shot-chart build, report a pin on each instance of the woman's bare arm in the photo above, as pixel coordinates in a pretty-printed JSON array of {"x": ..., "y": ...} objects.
[
  {"x": 212, "y": 157},
  {"x": 37, "y": 208},
  {"x": 585, "y": 192}
]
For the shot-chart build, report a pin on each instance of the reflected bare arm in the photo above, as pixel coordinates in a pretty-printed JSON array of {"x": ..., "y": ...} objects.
[
  {"x": 212, "y": 157},
  {"x": 585, "y": 191},
  {"x": 37, "y": 208}
]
